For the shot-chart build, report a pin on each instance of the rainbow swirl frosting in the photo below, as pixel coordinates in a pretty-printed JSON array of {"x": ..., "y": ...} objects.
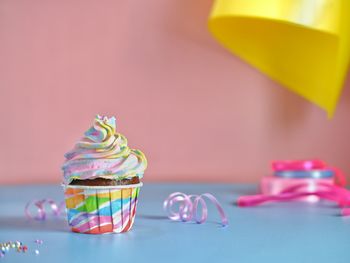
[{"x": 103, "y": 153}]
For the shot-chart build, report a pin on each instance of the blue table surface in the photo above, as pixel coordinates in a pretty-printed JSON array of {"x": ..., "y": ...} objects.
[{"x": 279, "y": 232}]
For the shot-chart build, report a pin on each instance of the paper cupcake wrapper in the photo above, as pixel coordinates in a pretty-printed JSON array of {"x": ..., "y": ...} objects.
[{"x": 101, "y": 209}]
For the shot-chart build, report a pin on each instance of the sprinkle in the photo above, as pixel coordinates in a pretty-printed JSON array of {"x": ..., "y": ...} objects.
[
  {"x": 38, "y": 241},
  {"x": 37, "y": 252},
  {"x": 5, "y": 247}
]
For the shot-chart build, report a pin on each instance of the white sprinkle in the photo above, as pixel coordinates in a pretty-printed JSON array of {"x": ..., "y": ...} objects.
[{"x": 37, "y": 252}]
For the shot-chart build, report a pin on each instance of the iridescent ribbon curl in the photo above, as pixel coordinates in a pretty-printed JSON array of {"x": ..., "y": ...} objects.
[
  {"x": 188, "y": 207},
  {"x": 56, "y": 209}
]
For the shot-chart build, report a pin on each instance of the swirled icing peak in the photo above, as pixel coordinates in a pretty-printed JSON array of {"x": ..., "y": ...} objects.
[{"x": 104, "y": 153}]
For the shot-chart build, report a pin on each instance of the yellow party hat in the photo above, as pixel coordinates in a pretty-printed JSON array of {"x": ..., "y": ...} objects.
[{"x": 302, "y": 44}]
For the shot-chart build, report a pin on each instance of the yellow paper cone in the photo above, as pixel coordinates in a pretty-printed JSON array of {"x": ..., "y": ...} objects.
[{"x": 302, "y": 44}]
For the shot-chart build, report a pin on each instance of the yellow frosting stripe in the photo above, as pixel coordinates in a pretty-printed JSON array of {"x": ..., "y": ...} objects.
[
  {"x": 302, "y": 44},
  {"x": 110, "y": 130}
]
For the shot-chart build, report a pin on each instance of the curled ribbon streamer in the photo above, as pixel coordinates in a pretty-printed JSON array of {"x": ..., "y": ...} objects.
[
  {"x": 345, "y": 212},
  {"x": 57, "y": 209},
  {"x": 188, "y": 209},
  {"x": 333, "y": 193}
]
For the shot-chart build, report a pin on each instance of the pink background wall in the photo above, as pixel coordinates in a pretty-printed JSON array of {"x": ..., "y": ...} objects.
[{"x": 197, "y": 112}]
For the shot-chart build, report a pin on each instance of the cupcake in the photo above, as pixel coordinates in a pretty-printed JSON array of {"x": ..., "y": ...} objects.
[{"x": 102, "y": 180}]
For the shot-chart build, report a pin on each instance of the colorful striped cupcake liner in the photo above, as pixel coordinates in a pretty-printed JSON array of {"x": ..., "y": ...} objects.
[{"x": 98, "y": 210}]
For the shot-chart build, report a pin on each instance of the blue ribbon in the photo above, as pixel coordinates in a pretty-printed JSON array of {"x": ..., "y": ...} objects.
[{"x": 313, "y": 174}]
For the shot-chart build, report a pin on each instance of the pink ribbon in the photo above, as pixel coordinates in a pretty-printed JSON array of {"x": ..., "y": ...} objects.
[
  {"x": 188, "y": 207},
  {"x": 345, "y": 212},
  {"x": 301, "y": 165},
  {"x": 329, "y": 192},
  {"x": 56, "y": 209}
]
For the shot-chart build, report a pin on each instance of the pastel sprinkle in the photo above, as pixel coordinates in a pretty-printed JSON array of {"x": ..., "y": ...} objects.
[
  {"x": 38, "y": 241},
  {"x": 16, "y": 245}
]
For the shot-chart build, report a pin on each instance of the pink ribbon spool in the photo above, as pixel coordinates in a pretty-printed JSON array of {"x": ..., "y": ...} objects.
[
  {"x": 320, "y": 188},
  {"x": 307, "y": 165}
]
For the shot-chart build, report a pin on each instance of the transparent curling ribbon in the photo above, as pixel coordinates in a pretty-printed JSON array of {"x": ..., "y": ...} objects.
[
  {"x": 40, "y": 213},
  {"x": 192, "y": 207},
  {"x": 302, "y": 44}
]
